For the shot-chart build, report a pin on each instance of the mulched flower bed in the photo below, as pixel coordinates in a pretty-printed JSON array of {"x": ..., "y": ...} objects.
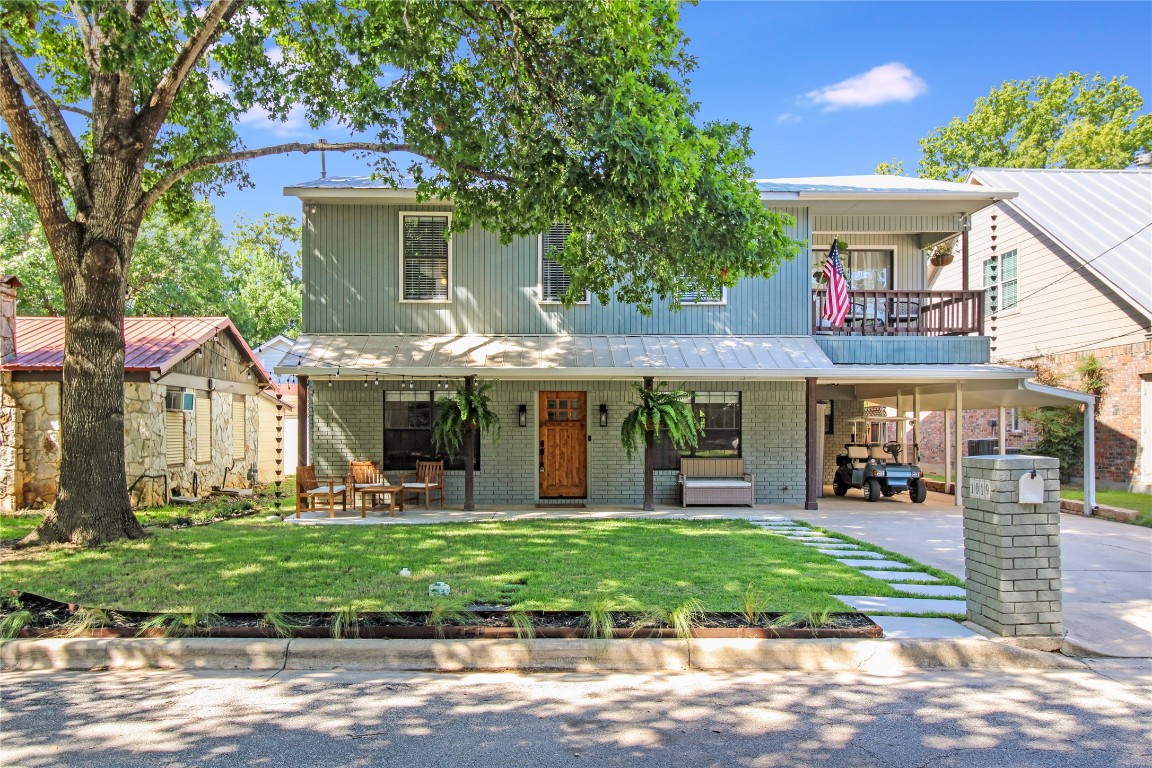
[{"x": 49, "y": 618}]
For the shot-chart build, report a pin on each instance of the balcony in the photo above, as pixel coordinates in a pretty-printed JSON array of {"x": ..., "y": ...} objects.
[{"x": 903, "y": 313}]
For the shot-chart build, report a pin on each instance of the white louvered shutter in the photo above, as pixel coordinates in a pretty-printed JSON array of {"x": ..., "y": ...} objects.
[
  {"x": 238, "y": 427},
  {"x": 174, "y": 437},
  {"x": 203, "y": 427}
]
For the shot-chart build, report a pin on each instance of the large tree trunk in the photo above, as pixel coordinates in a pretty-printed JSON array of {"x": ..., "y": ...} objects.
[{"x": 92, "y": 504}]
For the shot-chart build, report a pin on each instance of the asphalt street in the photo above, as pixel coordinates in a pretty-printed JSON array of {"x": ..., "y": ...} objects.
[{"x": 1095, "y": 718}]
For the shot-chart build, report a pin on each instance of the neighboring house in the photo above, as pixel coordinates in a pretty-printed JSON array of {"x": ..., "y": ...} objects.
[
  {"x": 1068, "y": 267},
  {"x": 270, "y": 353},
  {"x": 395, "y": 315},
  {"x": 197, "y": 407}
]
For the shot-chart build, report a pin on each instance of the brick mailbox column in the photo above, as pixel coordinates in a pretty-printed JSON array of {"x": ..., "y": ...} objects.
[{"x": 1012, "y": 550}]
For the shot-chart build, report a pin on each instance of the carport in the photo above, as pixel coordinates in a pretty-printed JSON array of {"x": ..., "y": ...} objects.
[{"x": 956, "y": 388}]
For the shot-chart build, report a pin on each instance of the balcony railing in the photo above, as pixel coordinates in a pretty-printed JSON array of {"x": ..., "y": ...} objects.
[{"x": 904, "y": 313}]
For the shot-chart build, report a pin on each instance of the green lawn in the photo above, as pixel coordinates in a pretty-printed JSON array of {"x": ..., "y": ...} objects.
[
  {"x": 252, "y": 565},
  {"x": 1141, "y": 502}
]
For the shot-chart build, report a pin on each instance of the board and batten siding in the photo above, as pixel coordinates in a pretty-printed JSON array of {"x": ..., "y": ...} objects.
[
  {"x": 1063, "y": 307},
  {"x": 908, "y": 258},
  {"x": 351, "y": 285}
]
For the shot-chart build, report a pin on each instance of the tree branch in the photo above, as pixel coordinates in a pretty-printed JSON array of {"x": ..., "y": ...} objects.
[
  {"x": 155, "y": 109},
  {"x": 67, "y": 151},
  {"x": 10, "y": 160},
  {"x": 35, "y": 167},
  {"x": 87, "y": 38},
  {"x": 168, "y": 180}
]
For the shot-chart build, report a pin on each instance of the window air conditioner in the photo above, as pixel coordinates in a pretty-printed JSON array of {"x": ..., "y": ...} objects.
[{"x": 179, "y": 400}]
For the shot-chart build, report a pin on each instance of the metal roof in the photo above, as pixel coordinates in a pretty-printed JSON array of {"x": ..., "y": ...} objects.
[
  {"x": 552, "y": 357},
  {"x": 1103, "y": 218},
  {"x": 870, "y": 184},
  {"x": 150, "y": 343}
]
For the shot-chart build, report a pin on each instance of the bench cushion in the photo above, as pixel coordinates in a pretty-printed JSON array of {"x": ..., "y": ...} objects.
[{"x": 716, "y": 482}]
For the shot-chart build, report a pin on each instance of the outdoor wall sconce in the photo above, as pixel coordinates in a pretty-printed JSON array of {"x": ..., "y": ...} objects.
[
  {"x": 603, "y": 414},
  {"x": 523, "y": 414}
]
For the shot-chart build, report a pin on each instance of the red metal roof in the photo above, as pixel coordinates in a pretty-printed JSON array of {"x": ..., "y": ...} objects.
[{"x": 150, "y": 343}]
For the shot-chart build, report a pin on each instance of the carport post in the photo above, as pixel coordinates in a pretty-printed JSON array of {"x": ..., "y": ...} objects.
[
  {"x": 1001, "y": 431},
  {"x": 916, "y": 424},
  {"x": 1089, "y": 458},
  {"x": 302, "y": 421},
  {"x": 947, "y": 452},
  {"x": 959, "y": 442}
]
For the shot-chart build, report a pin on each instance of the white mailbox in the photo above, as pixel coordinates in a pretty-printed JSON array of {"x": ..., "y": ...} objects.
[{"x": 1031, "y": 488}]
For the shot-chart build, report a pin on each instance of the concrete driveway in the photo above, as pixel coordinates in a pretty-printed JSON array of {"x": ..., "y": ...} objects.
[{"x": 1106, "y": 566}]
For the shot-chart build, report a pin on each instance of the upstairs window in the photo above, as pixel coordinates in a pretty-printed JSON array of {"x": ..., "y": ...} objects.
[
  {"x": 425, "y": 257},
  {"x": 693, "y": 295},
  {"x": 554, "y": 281},
  {"x": 1001, "y": 283}
]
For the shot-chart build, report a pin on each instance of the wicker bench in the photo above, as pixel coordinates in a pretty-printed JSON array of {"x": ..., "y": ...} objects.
[{"x": 715, "y": 481}]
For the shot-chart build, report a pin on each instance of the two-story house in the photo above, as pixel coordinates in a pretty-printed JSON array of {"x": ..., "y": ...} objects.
[
  {"x": 395, "y": 315},
  {"x": 1068, "y": 263}
]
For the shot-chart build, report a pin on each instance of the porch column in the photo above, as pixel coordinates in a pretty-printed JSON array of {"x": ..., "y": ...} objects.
[
  {"x": 1002, "y": 431},
  {"x": 649, "y": 460},
  {"x": 947, "y": 451},
  {"x": 959, "y": 443},
  {"x": 813, "y": 470},
  {"x": 1090, "y": 458},
  {"x": 916, "y": 425},
  {"x": 302, "y": 421},
  {"x": 469, "y": 453}
]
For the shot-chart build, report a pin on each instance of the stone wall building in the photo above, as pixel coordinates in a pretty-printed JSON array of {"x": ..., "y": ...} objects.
[{"x": 199, "y": 409}]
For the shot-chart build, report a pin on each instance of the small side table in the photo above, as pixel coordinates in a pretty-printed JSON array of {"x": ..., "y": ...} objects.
[{"x": 393, "y": 492}]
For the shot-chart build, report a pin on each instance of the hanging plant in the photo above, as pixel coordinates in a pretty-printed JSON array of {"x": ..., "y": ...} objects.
[
  {"x": 464, "y": 410},
  {"x": 661, "y": 409},
  {"x": 942, "y": 254}
]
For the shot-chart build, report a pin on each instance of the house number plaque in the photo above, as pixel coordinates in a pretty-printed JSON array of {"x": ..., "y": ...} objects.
[{"x": 979, "y": 488}]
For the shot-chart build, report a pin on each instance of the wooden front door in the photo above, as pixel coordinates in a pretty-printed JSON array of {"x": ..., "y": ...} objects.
[{"x": 563, "y": 445}]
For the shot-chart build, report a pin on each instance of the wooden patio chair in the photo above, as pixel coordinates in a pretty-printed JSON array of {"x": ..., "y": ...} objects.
[
  {"x": 312, "y": 491},
  {"x": 362, "y": 474},
  {"x": 429, "y": 481}
]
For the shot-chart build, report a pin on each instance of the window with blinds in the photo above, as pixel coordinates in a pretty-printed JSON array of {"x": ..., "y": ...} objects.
[
  {"x": 174, "y": 437},
  {"x": 554, "y": 281},
  {"x": 238, "y": 427},
  {"x": 1001, "y": 283},
  {"x": 693, "y": 294},
  {"x": 203, "y": 418},
  {"x": 425, "y": 257}
]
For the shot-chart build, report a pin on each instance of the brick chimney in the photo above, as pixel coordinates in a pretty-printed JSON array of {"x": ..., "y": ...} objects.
[{"x": 8, "y": 286}]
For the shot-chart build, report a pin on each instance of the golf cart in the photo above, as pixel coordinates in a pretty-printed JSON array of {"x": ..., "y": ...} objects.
[{"x": 875, "y": 466}]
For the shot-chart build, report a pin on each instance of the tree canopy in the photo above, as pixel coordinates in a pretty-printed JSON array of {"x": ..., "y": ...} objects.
[
  {"x": 522, "y": 114},
  {"x": 1067, "y": 121},
  {"x": 181, "y": 265}
]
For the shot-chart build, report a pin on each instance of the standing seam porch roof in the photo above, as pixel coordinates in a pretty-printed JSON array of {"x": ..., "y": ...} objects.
[{"x": 553, "y": 356}]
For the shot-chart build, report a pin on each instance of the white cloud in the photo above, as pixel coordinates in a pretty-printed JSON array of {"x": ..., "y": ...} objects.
[
  {"x": 295, "y": 126},
  {"x": 785, "y": 118},
  {"x": 879, "y": 85}
]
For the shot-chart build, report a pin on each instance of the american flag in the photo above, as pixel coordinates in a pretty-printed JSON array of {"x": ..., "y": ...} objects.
[{"x": 836, "y": 306}]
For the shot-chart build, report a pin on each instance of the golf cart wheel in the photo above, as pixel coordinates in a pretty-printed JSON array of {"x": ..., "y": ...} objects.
[
  {"x": 918, "y": 490},
  {"x": 887, "y": 490},
  {"x": 871, "y": 489},
  {"x": 839, "y": 487}
]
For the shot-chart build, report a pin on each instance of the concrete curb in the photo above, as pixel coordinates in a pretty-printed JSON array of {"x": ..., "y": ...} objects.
[{"x": 523, "y": 655}]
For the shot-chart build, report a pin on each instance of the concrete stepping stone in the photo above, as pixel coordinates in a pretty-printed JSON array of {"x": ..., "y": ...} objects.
[
  {"x": 862, "y": 553},
  {"x": 904, "y": 604},
  {"x": 775, "y": 520},
  {"x": 931, "y": 590},
  {"x": 825, "y": 542},
  {"x": 888, "y": 565},
  {"x": 900, "y": 575},
  {"x": 913, "y": 627}
]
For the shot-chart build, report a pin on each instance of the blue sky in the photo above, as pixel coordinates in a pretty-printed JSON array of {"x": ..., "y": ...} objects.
[{"x": 831, "y": 88}]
